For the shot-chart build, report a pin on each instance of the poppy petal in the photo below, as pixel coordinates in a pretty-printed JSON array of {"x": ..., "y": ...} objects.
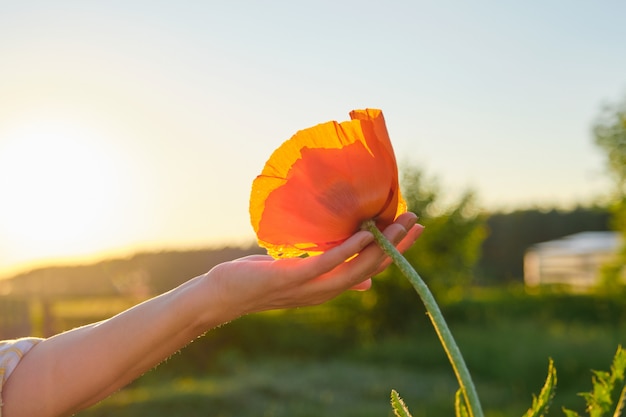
[{"x": 317, "y": 188}]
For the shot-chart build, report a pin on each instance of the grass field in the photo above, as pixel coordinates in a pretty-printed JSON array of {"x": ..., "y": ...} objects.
[{"x": 507, "y": 355}]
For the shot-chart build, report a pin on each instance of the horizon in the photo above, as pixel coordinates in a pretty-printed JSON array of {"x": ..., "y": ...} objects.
[
  {"x": 130, "y": 126},
  {"x": 130, "y": 252},
  {"x": 117, "y": 254}
]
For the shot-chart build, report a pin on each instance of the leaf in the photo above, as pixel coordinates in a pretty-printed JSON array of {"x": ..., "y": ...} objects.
[
  {"x": 570, "y": 413},
  {"x": 542, "y": 402},
  {"x": 618, "y": 369},
  {"x": 459, "y": 405},
  {"x": 399, "y": 407},
  {"x": 599, "y": 398},
  {"x": 607, "y": 387}
]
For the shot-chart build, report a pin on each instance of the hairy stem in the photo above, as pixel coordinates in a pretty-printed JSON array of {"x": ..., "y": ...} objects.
[{"x": 441, "y": 327}]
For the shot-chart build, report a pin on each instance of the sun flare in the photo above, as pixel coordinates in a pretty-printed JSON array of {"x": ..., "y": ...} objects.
[{"x": 57, "y": 182}]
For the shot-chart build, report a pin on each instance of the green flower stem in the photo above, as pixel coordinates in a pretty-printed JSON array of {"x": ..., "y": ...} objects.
[{"x": 441, "y": 327}]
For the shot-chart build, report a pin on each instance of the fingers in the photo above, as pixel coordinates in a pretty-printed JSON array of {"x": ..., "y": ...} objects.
[
  {"x": 407, "y": 220},
  {"x": 363, "y": 286},
  {"x": 412, "y": 235},
  {"x": 263, "y": 283},
  {"x": 373, "y": 258},
  {"x": 331, "y": 259},
  {"x": 406, "y": 239},
  {"x": 330, "y": 273},
  {"x": 356, "y": 273}
]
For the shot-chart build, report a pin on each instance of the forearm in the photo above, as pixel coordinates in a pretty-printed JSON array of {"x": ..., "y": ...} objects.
[{"x": 80, "y": 367}]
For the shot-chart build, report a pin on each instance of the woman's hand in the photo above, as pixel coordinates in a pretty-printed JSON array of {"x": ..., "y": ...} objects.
[{"x": 259, "y": 282}]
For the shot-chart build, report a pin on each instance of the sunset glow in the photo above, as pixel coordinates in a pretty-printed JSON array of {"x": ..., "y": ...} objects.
[{"x": 59, "y": 189}]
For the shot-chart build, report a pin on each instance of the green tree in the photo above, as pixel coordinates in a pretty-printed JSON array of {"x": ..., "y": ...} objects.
[
  {"x": 449, "y": 249},
  {"x": 609, "y": 133}
]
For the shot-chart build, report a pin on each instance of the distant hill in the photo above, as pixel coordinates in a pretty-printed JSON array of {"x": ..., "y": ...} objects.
[{"x": 142, "y": 274}]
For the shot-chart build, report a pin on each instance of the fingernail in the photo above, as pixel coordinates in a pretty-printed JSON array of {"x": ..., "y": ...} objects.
[{"x": 412, "y": 222}]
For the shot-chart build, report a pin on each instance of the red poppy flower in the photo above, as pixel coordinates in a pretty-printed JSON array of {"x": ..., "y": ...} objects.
[{"x": 318, "y": 187}]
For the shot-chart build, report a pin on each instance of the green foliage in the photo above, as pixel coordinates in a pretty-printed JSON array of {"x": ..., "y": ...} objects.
[
  {"x": 610, "y": 136},
  {"x": 613, "y": 273},
  {"x": 542, "y": 402},
  {"x": 306, "y": 363},
  {"x": 484, "y": 306},
  {"x": 460, "y": 409},
  {"x": 608, "y": 393},
  {"x": 273, "y": 387},
  {"x": 397, "y": 404},
  {"x": 447, "y": 252},
  {"x": 570, "y": 413}
]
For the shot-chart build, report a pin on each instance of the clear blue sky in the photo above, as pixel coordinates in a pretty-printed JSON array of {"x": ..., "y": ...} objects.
[{"x": 141, "y": 124}]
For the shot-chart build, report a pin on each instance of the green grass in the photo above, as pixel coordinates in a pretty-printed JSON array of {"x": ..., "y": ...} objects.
[
  {"x": 507, "y": 357},
  {"x": 281, "y": 388}
]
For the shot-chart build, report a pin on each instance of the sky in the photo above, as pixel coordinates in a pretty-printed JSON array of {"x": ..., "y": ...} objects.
[{"x": 139, "y": 125}]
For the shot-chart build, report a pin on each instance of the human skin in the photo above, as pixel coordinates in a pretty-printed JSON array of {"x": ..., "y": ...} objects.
[{"x": 76, "y": 369}]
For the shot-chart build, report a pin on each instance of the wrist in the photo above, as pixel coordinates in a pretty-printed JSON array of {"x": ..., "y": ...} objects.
[{"x": 214, "y": 305}]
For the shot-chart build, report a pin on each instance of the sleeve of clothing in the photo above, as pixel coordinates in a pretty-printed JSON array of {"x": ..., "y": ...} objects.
[{"x": 11, "y": 352}]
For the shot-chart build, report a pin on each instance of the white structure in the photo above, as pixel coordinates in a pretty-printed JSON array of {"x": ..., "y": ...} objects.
[{"x": 573, "y": 260}]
